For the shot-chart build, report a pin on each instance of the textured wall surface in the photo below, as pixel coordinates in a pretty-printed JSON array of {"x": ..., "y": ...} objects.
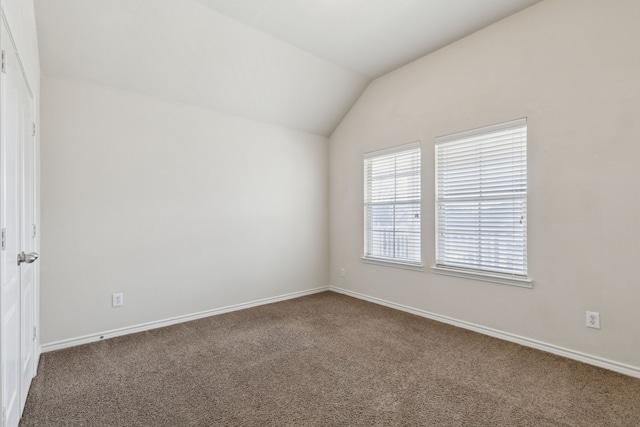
[
  {"x": 181, "y": 209},
  {"x": 573, "y": 69}
]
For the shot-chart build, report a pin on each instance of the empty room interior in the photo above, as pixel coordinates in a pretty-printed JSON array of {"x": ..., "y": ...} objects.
[{"x": 320, "y": 212}]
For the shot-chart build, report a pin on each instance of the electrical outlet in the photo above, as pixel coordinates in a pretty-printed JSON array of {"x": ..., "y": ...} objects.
[
  {"x": 593, "y": 320},
  {"x": 343, "y": 272},
  {"x": 117, "y": 300}
]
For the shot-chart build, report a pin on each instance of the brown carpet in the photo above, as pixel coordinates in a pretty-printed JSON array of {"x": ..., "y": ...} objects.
[{"x": 322, "y": 360}]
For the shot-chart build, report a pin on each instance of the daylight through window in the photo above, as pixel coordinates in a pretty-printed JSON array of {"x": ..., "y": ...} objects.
[
  {"x": 392, "y": 205},
  {"x": 481, "y": 200}
]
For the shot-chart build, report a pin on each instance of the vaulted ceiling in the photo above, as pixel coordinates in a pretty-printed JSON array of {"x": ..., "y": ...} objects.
[{"x": 295, "y": 63}]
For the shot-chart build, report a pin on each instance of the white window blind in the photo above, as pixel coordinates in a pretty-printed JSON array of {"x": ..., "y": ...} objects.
[
  {"x": 392, "y": 204},
  {"x": 481, "y": 199}
]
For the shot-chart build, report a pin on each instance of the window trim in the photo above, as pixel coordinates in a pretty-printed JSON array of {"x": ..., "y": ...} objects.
[
  {"x": 470, "y": 273},
  {"x": 383, "y": 261},
  {"x": 390, "y": 262},
  {"x": 503, "y": 279}
]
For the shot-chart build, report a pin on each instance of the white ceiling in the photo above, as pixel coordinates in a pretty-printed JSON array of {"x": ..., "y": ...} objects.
[
  {"x": 294, "y": 63},
  {"x": 371, "y": 37}
]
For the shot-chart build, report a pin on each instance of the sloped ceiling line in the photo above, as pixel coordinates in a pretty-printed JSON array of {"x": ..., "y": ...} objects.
[{"x": 297, "y": 64}]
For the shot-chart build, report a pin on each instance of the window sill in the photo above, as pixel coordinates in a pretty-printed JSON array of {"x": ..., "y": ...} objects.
[
  {"x": 485, "y": 277},
  {"x": 393, "y": 263}
]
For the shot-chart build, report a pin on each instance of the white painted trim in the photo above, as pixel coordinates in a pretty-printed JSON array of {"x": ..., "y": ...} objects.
[
  {"x": 23, "y": 70},
  {"x": 72, "y": 342},
  {"x": 485, "y": 277},
  {"x": 482, "y": 130},
  {"x": 611, "y": 365},
  {"x": 391, "y": 150},
  {"x": 392, "y": 263},
  {"x": 622, "y": 368}
]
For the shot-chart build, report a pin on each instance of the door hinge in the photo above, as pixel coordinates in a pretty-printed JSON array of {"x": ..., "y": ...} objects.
[
  {"x": 35, "y": 231},
  {"x": 4, "y": 61},
  {"x": 35, "y": 334},
  {"x": 4, "y": 416},
  {"x": 4, "y": 239},
  {"x": 33, "y": 129}
]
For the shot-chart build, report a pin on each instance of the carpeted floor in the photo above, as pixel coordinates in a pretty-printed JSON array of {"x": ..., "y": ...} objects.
[{"x": 322, "y": 360}]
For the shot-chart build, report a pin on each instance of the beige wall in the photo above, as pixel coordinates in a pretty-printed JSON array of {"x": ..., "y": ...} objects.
[
  {"x": 572, "y": 67},
  {"x": 181, "y": 209}
]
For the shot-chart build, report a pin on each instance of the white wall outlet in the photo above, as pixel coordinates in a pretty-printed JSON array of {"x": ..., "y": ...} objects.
[
  {"x": 593, "y": 320},
  {"x": 343, "y": 272},
  {"x": 117, "y": 300}
]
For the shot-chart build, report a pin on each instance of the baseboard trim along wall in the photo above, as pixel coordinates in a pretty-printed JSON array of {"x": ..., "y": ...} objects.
[
  {"x": 527, "y": 342},
  {"x": 72, "y": 342},
  {"x": 550, "y": 348}
]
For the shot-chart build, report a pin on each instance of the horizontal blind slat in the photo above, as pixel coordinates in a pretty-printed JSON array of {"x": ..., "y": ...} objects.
[
  {"x": 481, "y": 184},
  {"x": 392, "y": 205}
]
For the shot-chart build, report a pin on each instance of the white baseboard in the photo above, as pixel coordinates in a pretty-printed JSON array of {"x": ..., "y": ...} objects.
[
  {"x": 622, "y": 368},
  {"x": 72, "y": 342}
]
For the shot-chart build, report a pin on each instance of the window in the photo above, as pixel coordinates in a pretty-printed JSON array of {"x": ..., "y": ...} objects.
[
  {"x": 481, "y": 204},
  {"x": 392, "y": 206}
]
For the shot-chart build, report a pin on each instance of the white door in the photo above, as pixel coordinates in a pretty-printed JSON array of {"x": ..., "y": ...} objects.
[
  {"x": 26, "y": 138},
  {"x": 11, "y": 229},
  {"x": 17, "y": 295}
]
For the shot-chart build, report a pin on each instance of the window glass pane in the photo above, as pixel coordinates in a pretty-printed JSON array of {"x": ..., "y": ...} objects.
[
  {"x": 481, "y": 193},
  {"x": 392, "y": 205}
]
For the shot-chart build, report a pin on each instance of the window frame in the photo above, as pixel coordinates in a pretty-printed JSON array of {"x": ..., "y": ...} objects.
[
  {"x": 479, "y": 273},
  {"x": 396, "y": 262}
]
